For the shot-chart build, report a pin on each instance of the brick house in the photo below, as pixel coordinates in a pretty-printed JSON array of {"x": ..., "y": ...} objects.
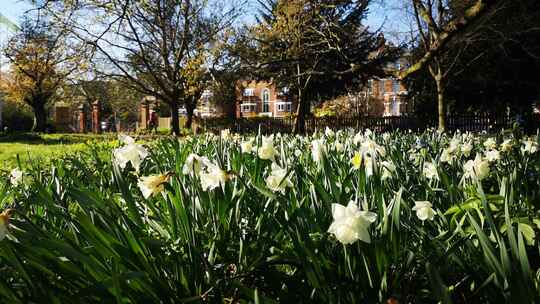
[
  {"x": 379, "y": 97},
  {"x": 389, "y": 97},
  {"x": 263, "y": 99}
]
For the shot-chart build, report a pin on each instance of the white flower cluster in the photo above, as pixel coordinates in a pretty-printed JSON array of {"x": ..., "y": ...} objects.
[
  {"x": 432, "y": 156},
  {"x": 130, "y": 152}
]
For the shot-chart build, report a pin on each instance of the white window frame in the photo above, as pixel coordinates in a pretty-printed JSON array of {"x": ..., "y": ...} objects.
[
  {"x": 265, "y": 103},
  {"x": 283, "y": 106},
  {"x": 382, "y": 90},
  {"x": 248, "y": 107},
  {"x": 396, "y": 86},
  {"x": 249, "y": 92}
]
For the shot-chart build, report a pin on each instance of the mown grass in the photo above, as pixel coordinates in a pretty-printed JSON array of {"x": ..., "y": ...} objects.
[{"x": 31, "y": 147}]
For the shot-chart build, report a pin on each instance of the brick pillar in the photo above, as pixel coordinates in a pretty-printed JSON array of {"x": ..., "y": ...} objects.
[
  {"x": 145, "y": 114},
  {"x": 82, "y": 119},
  {"x": 96, "y": 117}
]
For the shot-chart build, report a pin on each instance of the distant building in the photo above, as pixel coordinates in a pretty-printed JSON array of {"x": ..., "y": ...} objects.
[
  {"x": 205, "y": 107},
  {"x": 388, "y": 97},
  {"x": 263, "y": 99},
  {"x": 379, "y": 97}
]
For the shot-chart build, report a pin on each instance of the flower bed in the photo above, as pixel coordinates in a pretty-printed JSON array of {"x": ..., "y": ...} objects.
[{"x": 336, "y": 217}]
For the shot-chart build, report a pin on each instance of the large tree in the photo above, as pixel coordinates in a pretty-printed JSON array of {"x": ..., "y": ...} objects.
[
  {"x": 505, "y": 34},
  {"x": 148, "y": 44},
  {"x": 226, "y": 69},
  {"x": 40, "y": 63},
  {"x": 309, "y": 45},
  {"x": 441, "y": 29}
]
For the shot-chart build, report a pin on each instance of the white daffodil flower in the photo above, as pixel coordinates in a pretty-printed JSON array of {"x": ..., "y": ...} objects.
[
  {"x": 225, "y": 134},
  {"x": 278, "y": 181},
  {"x": 130, "y": 153},
  {"x": 369, "y": 162},
  {"x": 247, "y": 146},
  {"x": 476, "y": 169},
  {"x": 370, "y": 147},
  {"x": 358, "y": 138},
  {"x": 267, "y": 150},
  {"x": 529, "y": 147},
  {"x": 493, "y": 155},
  {"x": 446, "y": 156},
  {"x": 466, "y": 149},
  {"x": 423, "y": 210},
  {"x": 368, "y": 132},
  {"x": 351, "y": 224},
  {"x": 507, "y": 145},
  {"x": 126, "y": 139},
  {"x": 490, "y": 143},
  {"x": 194, "y": 164},
  {"x": 16, "y": 177},
  {"x": 430, "y": 171},
  {"x": 338, "y": 146},
  {"x": 454, "y": 146},
  {"x": 212, "y": 177},
  {"x": 153, "y": 184},
  {"x": 318, "y": 149},
  {"x": 329, "y": 132},
  {"x": 388, "y": 169}
]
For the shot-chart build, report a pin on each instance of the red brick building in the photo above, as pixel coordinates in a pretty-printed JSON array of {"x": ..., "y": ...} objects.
[
  {"x": 263, "y": 99},
  {"x": 388, "y": 97}
]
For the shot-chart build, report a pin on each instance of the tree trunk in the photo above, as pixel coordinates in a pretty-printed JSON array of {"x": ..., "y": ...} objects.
[
  {"x": 441, "y": 102},
  {"x": 300, "y": 120},
  {"x": 40, "y": 118},
  {"x": 190, "y": 108},
  {"x": 175, "y": 119}
]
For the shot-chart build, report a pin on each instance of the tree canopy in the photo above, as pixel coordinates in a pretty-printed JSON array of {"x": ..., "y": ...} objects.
[{"x": 306, "y": 46}]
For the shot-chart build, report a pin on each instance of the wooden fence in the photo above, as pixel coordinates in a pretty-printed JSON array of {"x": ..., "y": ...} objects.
[{"x": 473, "y": 123}]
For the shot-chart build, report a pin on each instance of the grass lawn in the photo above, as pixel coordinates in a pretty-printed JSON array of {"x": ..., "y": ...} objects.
[{"x": 42, "y": 147}]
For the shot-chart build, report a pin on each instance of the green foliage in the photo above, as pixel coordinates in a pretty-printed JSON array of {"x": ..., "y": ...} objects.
[
  {"x": 82, "y": 231},
  {"x": 16, "y": 117}
]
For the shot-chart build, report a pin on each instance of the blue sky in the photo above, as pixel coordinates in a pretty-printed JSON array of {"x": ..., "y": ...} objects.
[{"x": 13, "y": 9}]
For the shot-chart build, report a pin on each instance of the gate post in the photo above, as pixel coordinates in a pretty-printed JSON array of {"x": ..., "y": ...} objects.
[
  {"x": 96, "y": 124},
  {"x": 81, "y": 119}
]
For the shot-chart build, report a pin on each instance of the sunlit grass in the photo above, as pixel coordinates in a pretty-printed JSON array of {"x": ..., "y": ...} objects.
[{"x": 42, "y": 148}]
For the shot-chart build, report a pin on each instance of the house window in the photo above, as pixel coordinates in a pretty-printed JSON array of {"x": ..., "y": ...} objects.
[
  {"x": 284, "y": 106},
  {"x": 249, "y": 92},
  {"x": 248, "y": 107},
  {"x": 381, "y": 87},
  {"x": 266, "y": 100},
  {"x": 370, "y": 86},
  {"x": 395, "y": 86}
]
